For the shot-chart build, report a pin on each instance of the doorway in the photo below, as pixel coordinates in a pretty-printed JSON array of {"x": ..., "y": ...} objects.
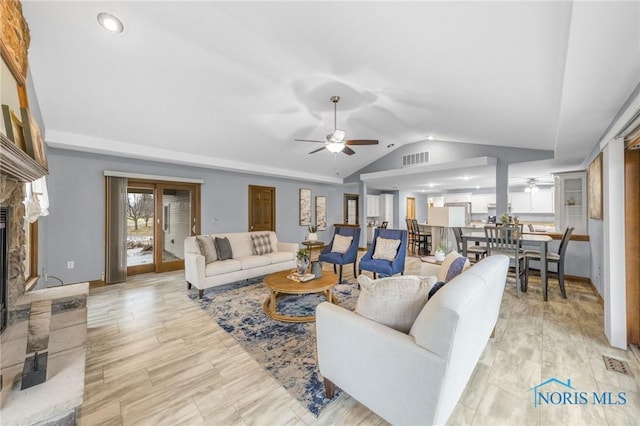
[
  {"x": 411, "y": 208},
  {"x": 632, "y": 238},
  {"x": 262, "y": 208},
  {"x": 159, "y": 216},
  {"x": 351, "y": 209}
]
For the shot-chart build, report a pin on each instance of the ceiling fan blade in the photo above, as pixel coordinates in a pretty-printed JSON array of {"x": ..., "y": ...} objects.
[
  {"x": 362, "y": 142},
  {"x": 348, "y": 151},
  {"x": 316, "y": 150},
  {"x": 308, "y": 140}
]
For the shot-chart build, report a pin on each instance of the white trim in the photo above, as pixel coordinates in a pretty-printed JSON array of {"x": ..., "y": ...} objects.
[
  {"x": 431, "y": 167},
  {"x": 151, "y": 177}
]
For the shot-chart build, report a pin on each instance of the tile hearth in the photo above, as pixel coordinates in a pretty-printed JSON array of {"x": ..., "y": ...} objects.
[{"x": 155, "y": 357}]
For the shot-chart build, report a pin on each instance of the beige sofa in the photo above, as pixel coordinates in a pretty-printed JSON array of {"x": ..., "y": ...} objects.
[
  {"x": 243, "y": 265},
  {"x": 415, "y": 378}
]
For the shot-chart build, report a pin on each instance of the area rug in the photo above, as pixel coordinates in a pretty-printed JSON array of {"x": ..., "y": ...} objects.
[{"x": 286, "y": 350}]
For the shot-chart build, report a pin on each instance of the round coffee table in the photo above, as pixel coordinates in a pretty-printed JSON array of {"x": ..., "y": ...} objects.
[{"x": 279, "y": 284}]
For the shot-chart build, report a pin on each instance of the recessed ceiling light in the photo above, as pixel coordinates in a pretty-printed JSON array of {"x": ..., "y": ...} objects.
[
  {"x": 477, "y": 186},
  {"x": 430, "y": 137},
  {"x": 465, "y": 178},
  {"x": 431, "y": 185},
  {"x": 110, "y": 22}
]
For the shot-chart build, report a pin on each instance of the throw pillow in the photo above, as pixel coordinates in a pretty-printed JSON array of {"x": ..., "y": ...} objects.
[
  {"x": 393, "y": 301},
  {"x": 437, "y": 286},
  {"x": 341, "y": 243},
  {"x": 386, "y": 249},
  {"x": 261, "y": 244},
  {"x": 207, "y": 248},
  {"x": 447, "y": 263},
  {"x": 223, "y": 247}
]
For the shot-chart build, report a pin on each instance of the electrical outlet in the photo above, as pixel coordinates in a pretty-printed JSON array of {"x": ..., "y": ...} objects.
[{"x": 70, "y": 264}]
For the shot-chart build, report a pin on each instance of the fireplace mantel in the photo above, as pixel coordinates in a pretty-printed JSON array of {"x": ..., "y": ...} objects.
[{"x": 17, "y": 164}]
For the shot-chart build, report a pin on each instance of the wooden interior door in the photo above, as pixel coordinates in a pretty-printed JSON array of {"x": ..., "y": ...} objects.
[
  {"x": 632, "y": 242},
  {"x": 262, "y": 208},
  {"x": 411, "y": 208}
]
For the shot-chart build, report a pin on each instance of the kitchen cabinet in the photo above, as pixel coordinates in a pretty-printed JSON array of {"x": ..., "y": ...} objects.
[
  {"x": 373, "y": 205},
  {"x": 457, "y": 198},
  {"x": 571, "y": 201},
  {"x": 435, "y": 201},
  {"x": 532, "y": 202},
  {"x": 385, "y": 212},
  {"x": 520, "y": 202},
  {"x": 480, "y": 202}
]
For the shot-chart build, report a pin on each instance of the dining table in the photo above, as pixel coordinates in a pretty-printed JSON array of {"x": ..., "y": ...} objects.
[{"x": 540, "y": 241}]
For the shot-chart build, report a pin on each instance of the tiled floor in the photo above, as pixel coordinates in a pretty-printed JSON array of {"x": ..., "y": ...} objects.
[{"x": 154, "y": 357}]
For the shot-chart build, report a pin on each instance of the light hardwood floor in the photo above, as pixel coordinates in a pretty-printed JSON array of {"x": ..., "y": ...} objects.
[{"x": 154, "y": 357}]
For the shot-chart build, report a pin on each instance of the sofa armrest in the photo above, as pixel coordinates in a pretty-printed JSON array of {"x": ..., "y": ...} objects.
[
  {"x": 369, "y": 360},
  {"x": 292, "y": 247},
  {"x": 194, "y": 269},
  {"x": 429, "y": 269}
]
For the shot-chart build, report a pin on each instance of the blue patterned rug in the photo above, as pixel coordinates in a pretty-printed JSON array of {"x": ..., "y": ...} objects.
[{"x": 286, "y": 350}]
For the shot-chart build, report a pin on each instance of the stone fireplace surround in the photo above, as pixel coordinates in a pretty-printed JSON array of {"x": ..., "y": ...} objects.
[{"x": 58, "y": 399}]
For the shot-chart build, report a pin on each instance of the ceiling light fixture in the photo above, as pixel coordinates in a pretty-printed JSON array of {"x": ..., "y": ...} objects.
[
  {"x": 110, "y": 22},
  {"x": 532, "y": 185},
  {"x": 335, "y": 147},
  {"x": 430, "y": 137}
]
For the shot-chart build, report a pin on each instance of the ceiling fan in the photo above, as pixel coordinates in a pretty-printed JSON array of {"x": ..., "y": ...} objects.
[{"x": 335, "y": 140}]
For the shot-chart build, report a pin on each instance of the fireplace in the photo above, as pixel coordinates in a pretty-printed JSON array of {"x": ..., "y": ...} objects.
[{"x": 4, "y": 270}]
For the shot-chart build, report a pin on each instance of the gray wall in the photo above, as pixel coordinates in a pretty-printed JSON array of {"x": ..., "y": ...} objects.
[
  {"x": 74, "y": 230},
  {"x": 451, "y": 151}
]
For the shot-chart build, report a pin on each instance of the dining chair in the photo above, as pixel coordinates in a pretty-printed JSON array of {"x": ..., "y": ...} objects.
[
  {"x": 384, "y": 225},
  {"x": 507, "y": 240},
  {"x": 480, "y": 251},
  {"x": 340, "y": 257},
  {"x": 420, "y": 239},
  {"x": 557, "y": 258},
  {"x": 410, "y": 234}
]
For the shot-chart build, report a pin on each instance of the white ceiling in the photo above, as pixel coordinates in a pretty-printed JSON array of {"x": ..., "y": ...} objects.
[{"x": 231, "y": 84}]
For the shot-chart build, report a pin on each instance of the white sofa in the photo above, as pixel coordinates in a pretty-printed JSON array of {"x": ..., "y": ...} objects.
[
  {"x": 243, "y": 265},
  {"x": 415, "y": 378}
]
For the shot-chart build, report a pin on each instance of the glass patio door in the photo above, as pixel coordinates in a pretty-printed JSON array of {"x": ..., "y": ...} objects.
[{"x": 160, "y": 215}]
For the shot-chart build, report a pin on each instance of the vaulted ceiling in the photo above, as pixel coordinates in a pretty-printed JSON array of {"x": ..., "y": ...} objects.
[{"x": 231, "y": 84}]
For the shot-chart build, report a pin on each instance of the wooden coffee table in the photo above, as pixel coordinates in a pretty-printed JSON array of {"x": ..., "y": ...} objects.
[{"x": 278, "y": 284}]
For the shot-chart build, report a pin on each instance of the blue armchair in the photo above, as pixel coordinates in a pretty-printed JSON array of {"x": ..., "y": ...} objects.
[
  {"x": 381, "y": 266},
  {"x": 347, "y": 257}
]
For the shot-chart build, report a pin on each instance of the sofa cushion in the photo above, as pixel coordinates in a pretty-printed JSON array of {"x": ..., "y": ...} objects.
[
  {"x": 437, "y": 286},
  {"x": 393, "y": 301},
  {"x": 341, "y": 243},
  {"x": 207, "y": 248},
  {"x": 281, "y": 256},
  {"x": 250, "y": 262},
  {"x": 261, "y": 244},
  {"x": 223, "y": 247},
  {"x": 222, "y": 267},
  {"x": 386, "y": 249},
  {"x": 452, "y": 266}
]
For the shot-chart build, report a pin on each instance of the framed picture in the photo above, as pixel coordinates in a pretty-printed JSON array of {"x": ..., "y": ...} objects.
[
  {"x": 305, "y": 207},
  {"x": 13, "y": 127},
  {"x": 594, "y": 188},
  {"x": 33, "y": 138},
  {"x": 321, "y": 212}
]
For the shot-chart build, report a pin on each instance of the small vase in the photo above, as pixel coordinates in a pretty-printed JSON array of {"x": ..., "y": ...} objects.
[
  {"x": 316, "y": 268},
  {"x": 312, "y": 236},
  {"x": 302, "y": 264},
  {"x": 439, "y": 256}
]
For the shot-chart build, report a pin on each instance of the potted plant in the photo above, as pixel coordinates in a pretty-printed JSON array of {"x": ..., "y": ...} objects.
[
  {"x": 441, "y": 251},
  {"x": 302, "y": 261},
  {"x": 313, "y": 236},
  {"x": 504, "y": 219}
]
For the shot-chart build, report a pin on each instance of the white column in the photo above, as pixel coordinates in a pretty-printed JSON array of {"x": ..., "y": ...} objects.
[{"x": 615, "y": 309}]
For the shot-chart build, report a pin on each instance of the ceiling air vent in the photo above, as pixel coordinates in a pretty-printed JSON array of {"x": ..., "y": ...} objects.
[{"x": 415, "y": 159}]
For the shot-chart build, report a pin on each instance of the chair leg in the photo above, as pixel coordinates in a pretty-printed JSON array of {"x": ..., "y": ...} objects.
[
  {"x": 561, "y": 279},
  {"x": 340, "y": 276},
  {"x": 200, "y": 294},
  {"x": 188, "y": 285},
  {"x": 354, "y": 270},
  {"x": 334, "y": 269},
  {"x": 375, "y": 276},
  {"x": 518, "y": 278},
  {"x": 526, "y": 274},
  {"x": 329, "y": 388}
]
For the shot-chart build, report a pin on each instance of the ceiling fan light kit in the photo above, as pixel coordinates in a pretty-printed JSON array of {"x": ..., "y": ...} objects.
[{"x": 335, "y": 140}]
